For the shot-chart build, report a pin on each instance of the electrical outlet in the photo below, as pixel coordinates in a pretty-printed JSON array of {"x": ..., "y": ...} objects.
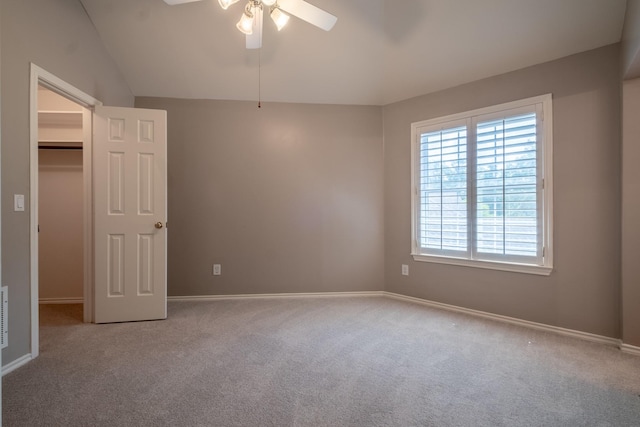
[
  {"x": 217, "y": 269},
  {"x": 405, "y": 270}
]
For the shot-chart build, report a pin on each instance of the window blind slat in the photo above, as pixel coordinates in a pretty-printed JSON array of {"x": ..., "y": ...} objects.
[
  {"x": 478, "y": 177},
  {"x": 506, "y": 186},
  {"x": 443, "y": 187}
]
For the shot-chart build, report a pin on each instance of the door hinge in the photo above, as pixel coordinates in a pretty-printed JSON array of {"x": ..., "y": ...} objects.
[{"x": 543, "y": 251}]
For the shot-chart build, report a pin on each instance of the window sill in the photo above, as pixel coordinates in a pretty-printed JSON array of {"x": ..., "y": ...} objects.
[{"x": 491, "y": 265}]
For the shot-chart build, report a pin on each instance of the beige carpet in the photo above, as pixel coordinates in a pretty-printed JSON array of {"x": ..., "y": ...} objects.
[{"x": 316, "y": 362}]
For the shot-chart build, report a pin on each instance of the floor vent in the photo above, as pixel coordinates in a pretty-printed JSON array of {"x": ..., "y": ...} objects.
[{"x": 4, "y": 328}]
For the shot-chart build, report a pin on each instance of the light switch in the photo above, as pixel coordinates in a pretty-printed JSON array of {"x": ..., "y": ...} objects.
[{"x": 18, "y": 202}]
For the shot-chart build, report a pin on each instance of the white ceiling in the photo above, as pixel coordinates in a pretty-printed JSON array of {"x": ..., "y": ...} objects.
[{"x": 380, "y": 51}]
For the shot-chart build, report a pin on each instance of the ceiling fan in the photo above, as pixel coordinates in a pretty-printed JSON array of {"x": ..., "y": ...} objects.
[{"x": 251, "y": 20}]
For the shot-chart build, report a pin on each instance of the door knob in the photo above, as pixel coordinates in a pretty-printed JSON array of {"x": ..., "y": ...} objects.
[{"x": 158, "y": 224}]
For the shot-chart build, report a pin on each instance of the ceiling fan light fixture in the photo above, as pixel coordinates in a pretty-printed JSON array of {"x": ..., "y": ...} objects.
[
  {"x": 245, "y": 25},
  {"x": 279, "y": 17},
  {"x": 226, "y": 3},
  {"x": 268, "y": 2}
]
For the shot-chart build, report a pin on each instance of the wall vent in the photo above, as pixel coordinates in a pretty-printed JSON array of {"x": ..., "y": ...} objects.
[{"x": 4, "y": 328}]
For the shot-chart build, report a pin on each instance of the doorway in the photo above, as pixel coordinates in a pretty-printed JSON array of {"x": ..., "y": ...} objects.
[
  {"x": 60, "y": 197},
  {"x": 130, "y": 145},
  {"x": 41, "y": 82}
]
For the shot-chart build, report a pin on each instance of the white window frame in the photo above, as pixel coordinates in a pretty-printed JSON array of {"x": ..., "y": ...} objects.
[{"x": 544, "y": 266}]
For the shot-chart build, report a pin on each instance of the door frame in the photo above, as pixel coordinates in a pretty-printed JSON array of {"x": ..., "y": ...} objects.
[{"x": 39, "y": 76}]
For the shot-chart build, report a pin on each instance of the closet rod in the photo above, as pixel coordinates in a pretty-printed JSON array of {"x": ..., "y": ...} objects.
[{"x": 58, "y": 148}]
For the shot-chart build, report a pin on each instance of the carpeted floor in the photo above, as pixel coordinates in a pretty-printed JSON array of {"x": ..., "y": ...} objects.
[{"x": 316, "y": 362}]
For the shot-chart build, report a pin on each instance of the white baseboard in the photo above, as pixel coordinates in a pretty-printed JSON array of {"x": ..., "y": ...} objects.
[
  {"x": 274, "y": 296},
  {"x": 630, "y": 349},
  {"x": 626, "y": 348},
  {"x": 511, "y": 320},
  {"x": 505, "y": 319},
  {"x": 78, "y": 300},
  {"x": 12, "y": 366}
]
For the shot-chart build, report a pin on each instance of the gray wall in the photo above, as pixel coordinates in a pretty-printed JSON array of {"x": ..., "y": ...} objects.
[
  {"x": 288, "y": 198},
  {"x": 60, "y": 218},
  {"x": 631, "y": 175},
  {"x": 57, "y": 36},
  {"x": 1, "y": 364},
  {"x": 583, "y": 291},
  {"x": 293, "y": 202},
  {"x": 631, "y": 40},
  {"x": 631, "y": 213}
]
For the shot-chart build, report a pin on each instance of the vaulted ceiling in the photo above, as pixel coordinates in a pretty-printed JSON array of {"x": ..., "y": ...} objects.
[{"x": 380, "y": 51}]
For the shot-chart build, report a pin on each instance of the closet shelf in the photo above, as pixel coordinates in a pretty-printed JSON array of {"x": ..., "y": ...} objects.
[{"x": 60, "y": 118}]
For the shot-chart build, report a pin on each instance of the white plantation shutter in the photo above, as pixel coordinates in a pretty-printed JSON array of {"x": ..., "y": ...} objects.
[
  {"x": 478, "y": 187},
  {"x": 443, "y": 190},
  {"x": 507, "y": 203}
]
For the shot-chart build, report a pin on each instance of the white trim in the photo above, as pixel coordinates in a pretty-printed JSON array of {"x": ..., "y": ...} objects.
[
  {"x": 505, "y": 319},
  {"x": 586, "y": 336},
  {"x": 42, "y": 77},
  {"x": 491, "y": 265},
  {"x": 511, "y": 320},
  {"x": 78, "y": 300},
  {"x": 630, "y": 349},
  {"x": 87, "y": 213},
  {"x": 61, "y": 87},
  {"x": 33, "y": 209},
  {"x": 547, "y": 174},
  {"x": 540, "y": 99},
  {"x": 19, "y": 362},
  {"x": 544, "y": 263},
  {"x": 276, "y": 296}
]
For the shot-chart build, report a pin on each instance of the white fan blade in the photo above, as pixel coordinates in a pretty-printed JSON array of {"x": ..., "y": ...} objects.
[
  {"x": 175, "y": 2},
  {"x": 308, "y": 12},
  {"x": 254, "y": 40}
]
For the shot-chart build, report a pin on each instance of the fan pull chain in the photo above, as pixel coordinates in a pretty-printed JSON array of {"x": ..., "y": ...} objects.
[{"x": 259, "y": 76}]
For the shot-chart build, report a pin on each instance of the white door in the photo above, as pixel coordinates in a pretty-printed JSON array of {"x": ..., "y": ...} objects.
[{"x": 130, "y": 214}]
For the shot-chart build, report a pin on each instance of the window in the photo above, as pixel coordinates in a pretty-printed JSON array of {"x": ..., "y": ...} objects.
[{"x": 482, "y": 187}]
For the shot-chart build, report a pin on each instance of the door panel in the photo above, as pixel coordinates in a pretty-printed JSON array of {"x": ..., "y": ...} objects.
[{"x": 129, "y": 164}]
